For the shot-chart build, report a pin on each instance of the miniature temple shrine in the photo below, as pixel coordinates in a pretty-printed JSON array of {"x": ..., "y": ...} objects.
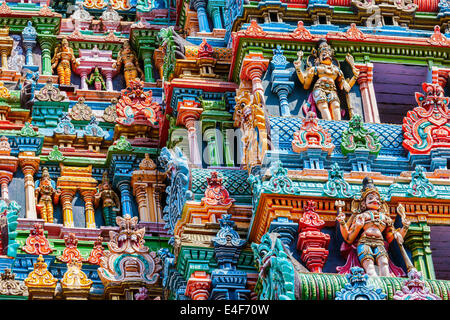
[{"x": 225, "y": 150}]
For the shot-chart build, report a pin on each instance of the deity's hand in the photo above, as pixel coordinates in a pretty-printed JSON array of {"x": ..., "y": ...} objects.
[
  {"x": 349, "y": 58},
  {"x": 298, "y": 62},
  {"x": 360, "y": 220},
  {"x": 341, "y": 216},
  {"x": 398, "y": 237},
  {"x": 402, "y": 214}
]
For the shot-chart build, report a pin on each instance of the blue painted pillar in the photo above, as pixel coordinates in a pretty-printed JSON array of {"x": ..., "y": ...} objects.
[
  {"x": 125, "y": 197},
  {"x": 200, "y": 7}
]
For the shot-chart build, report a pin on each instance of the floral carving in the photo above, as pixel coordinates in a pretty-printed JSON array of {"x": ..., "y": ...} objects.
[
  {"x": 420, "y": 186},
  {"x": 74, "y": 277},
  {"x": 311, "y": 135},
  {"x": 122, "y": 144},
  {"x": 49, "y": 93},
  {"x": 128, "y": 259},
  {"x": 40, "y": 277},
  {"x": 27, "y": 130},
  {"x": 301, "y": 32},
  {"x": 215, "y": 193},
  {"x": 71, "y": 251},
  {"x": 110, "y": 114},
  {"x": 55, "y": 155},
  {"x": 96, "y": 252},
  {"x": 414, "y": 288},
  {"x": 356, "y": 137},
  {"x": 353, "y": 33},
  {"x": 36, "y": 242},
  {"x": 133, "y": 100},
  {"x": 81, "y": 111},
  {"x": 11, "y": 287},
  {"x": 336, "y": 186},
  {"x": 427, "y": 126},
  {"x": 255, "y": 30},
  {"x": 280, "y": 182},
  {"x": 437, "y": 38},
  {"x": 205, "y": 50},
  {"x": 358, "y": 288}
]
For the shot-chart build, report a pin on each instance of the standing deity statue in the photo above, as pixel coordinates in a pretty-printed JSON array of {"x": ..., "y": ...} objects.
[
  {"x": 96, "y": 79},
  {"x": 46, "y": 194},
  {"x": 110, "y": 199},
  {"x": 63, "y": 60},
  {"x": 128, "y": 59},
  {"x": 322, "y": 65},
  {"x": 371, "y": 230}
]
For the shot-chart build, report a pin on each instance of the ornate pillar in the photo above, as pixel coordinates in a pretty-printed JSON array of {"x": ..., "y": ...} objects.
[
  {"x": 29, "y": 42},
  {"x": 210, "y": 136},
  {"x": 83, "y": 75},
  {"x": 46, "y": 44},
  {"x": 200, "y": 7},
  {"x": 29, "y": 164},
  {"x": 189, "y": 112},
  {"x": 5, "y": 179},
  {"x": 365, "y": 81},
  {"x": 418, "y": 241},
  {"x": 253, "y": 67},
  {"x": 140, "y": 192},
  {"x": 4, "y": 54},
  {"x": 88, "y": 197},
  {"x": 214, "y": 9},
  {"x": 286, "y": 228},
  {"x": 194, "y": 150},
  {"x": 125, "y": 197},
  {"x": 198, "y": 286},
  {"x": 148, "y": 66},
  {"x": 66, "y": 200}
]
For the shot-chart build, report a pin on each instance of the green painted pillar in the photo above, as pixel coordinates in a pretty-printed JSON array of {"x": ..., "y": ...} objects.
[
  {"x": 46, "y": 44},
  {"x": 148, "y": 66},
  {"x": 418, "y": 241},
  {"x": 228, "y": 154},
  {"x": 210, "y": 135}
]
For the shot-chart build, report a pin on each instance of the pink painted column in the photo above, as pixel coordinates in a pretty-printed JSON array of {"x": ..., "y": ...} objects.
[
  {"x": 365, "y": 81},
  {"x": 188, "y": 113},
  {"x": 253, "y": 67}
]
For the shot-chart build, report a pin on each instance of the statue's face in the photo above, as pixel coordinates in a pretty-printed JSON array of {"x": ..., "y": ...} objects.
[
  {"x": 373, "y": 201},
  {"x": 65, "y": 43},
  {"x": 325, "y": 54},
  {"x": 106, "y": 186}
]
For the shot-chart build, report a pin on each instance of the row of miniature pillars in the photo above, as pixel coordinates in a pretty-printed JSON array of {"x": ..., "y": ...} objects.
[
  {"x": 30, "y": 165},
  {"x": 46, "y": 46}
]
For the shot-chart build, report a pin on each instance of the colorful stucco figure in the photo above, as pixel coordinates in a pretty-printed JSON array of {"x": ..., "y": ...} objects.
[
  {"x": 128, "y": 62},
  {"x": 370, "y": 227},
  {"x": 110, "y": 200},
  {"x": 322, "y": 65},
  {"x": 46, "y": 195},
  {"x": 63, "y": 61}
]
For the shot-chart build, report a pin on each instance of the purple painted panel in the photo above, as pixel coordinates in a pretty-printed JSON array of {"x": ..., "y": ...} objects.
[
  {"x": 395, "y": 86},
  {"x": 440, "y": 251}
]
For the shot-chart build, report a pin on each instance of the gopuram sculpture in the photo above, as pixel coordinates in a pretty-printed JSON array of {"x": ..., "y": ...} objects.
[
  {"x": 96, "y": 79},
  {"x": 322, "y": 65},
  {"x": 127, "y": 59},
  {"x": 110, "y": 201},
  {"x": 369, "y": 230},
  {"x": 46, "y": 194},
  {"x": 64, "y": 60}
]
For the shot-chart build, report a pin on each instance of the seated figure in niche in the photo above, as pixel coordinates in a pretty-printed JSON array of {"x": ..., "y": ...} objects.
[
  {"x": 46, "y": 194},
  {"x": 110, "y": 200},
  {"x": 368, "y": 233},
  {"x": 322, "y": 65}
]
